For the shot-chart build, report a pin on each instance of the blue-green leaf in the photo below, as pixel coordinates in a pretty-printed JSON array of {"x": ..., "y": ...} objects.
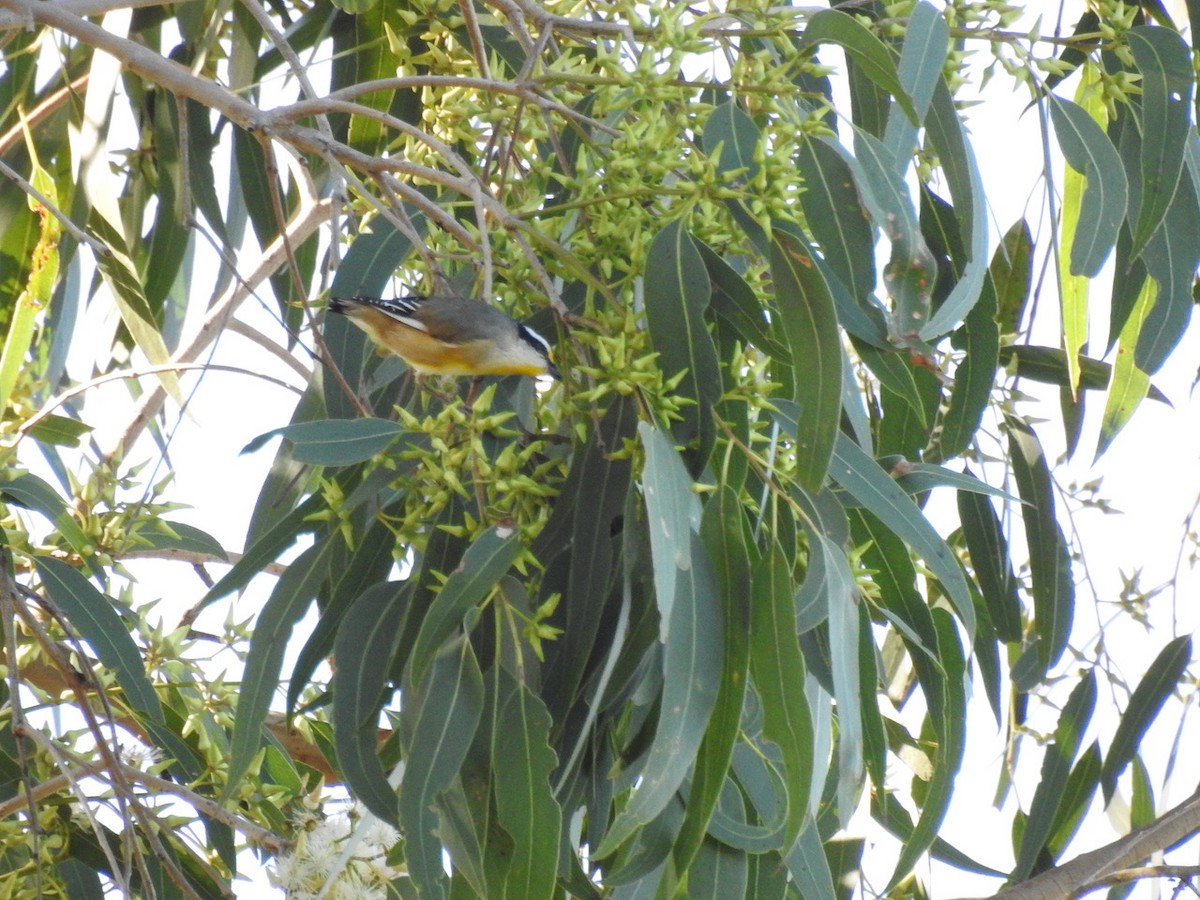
[
  {"x": 1056, "y": 768},
  {"x": 364, "y": 645},
  {"x": 334, "y": 442},
  {"x": 1088, "y": 150},
  {"x": 483, "y": 564},
  {"x": 809, "y": 323},
  {"x": 445, "y": 714},
  {"x": 871, "y": 55},
  {"x": 522, "y": 762},
  {"x": 260, "y": 679},
  {"x": 1160, "y": 681},
  {"x": 778, "y": 670},
  {"x": 692, "y": 656},
  {"x": 94, "y": 617},
  {"x": 1167, "y": 83},
  {"x": 677, "y": 293},
  {"x": 862, "y": 477},
  {"x": 1049, "y": 558},
  {"x": 922, "y": 56},
  {"x": 34, "y": 493},
  {"x": 1171, "y": 256}
]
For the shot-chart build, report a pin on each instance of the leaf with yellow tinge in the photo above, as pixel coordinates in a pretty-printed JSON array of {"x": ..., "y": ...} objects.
[{"x": 121, "y": 276}]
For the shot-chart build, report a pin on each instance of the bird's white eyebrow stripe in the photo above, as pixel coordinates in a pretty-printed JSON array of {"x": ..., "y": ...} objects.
[{"x": 533, "y": 337}]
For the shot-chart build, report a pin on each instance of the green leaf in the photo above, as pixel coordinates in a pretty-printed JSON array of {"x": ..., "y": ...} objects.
[
  {"x": 1167, "y": 83},
  {"x": 870, "y": 54},
  {"x": 809, "y": 323},
  {"x": 1048, "y": 365},
  {"x": 334, "y": 442},
  {"x": 922, "y": 56},
  {"x": 260, "y": 679},
  {"x": 1171, "y": 256},
  {"x": 777, "y": 667},
  {"x": 121, "y": 276},
  {"x": 1076, "y": 800},
  {"x": 949, "y": 751},
  {"x": 1012, "y": 273},
  {"x": 1089, "y": 152},
  {"x": 60, "y": 430},
  {"x": 837, "y": 221},
  {"x": 862, "y": 477},
  {"x": 1056, "y": 767},
  {"x": 718, "y": 871},
  {"x": 1130, "y": 385},
  {"x": 732, "y": 133},
  {"x": 735, "y": 301},
  {"x": 522, "y": 762},
  {"x": 444, "y": 713},
  {"x": 186, "y": 537},
  {"x": 973, "y": 377},
  {"x": 677, "y": 294},
  {"x": 1159, "y": 683},
  {"x": 725, "y": 533},
  {"x": 584, "y": 518},
  {"x": 1049, "y": 558},
  {"x": 916, "y": 478},
  {"x": 366, "y": 641},
  {"x": 33, "y": 493},
  {"x": 692, "y": 651},
  {"x": 809, "y": 868},
  {"x": 993, "y": 568},
  {"x": 949, "y": 139},
  {"x": 842, "y": 597},
  {"x": 93, "y": 615},
  {"x": 266, "y": 549},
  {"x": 484, "y": 563}
]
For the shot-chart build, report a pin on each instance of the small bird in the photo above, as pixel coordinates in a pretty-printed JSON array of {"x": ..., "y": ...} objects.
[{"x": 447, "y": 335}]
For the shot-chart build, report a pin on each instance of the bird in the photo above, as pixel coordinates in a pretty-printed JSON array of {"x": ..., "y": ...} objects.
[{"x": 450, "y": 335}]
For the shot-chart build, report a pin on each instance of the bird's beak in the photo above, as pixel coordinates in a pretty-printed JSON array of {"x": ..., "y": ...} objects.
[{"x": 552, "y": 371}]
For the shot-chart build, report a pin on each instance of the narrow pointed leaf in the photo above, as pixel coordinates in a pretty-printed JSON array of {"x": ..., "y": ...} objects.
[
  {"x": 922, "y": 56},
  {"x": 1012, "y": 273},
  {"x": 334, "y": 442},
  {"x": 862, "y": 477},
  {"x": 1056, "y": 769},
  {"x": 260, "y": 679},
  {"x": 448, "y": 706},
  {"x": 483, "y": 564},
  {"x": 777, "y": 667},
  {"x": 842, "y": 597},
  {"x": 121, "y": 276},
  {"x": 809, "y": 868},
  {"x": 731, "y": 129},
  {"x": 1049, "y": 557},
  {"x": 837, "y": 220},
  {"x": 810, "y": 325},
  {"x": 974, "y": 377},
  {"x": 993, "y": 568},
  {"x": 949, "y": 753},
  {"x": 1167, "y": 83},
  {"x": 1129, "y": 384},
  {"x": 1171, "y": 256},
  {"x": 725, "y": 533},
  {"x": 365, "y": 642},
  {"x": 869, "y": 53},
  {"x": 522, "y": 762},
  {"x": 94, "y": 617},
  {"x": 677, "y": 294},
  {"x": 1157, "y": 685},
  {"x": 1089, "y": 152}
]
